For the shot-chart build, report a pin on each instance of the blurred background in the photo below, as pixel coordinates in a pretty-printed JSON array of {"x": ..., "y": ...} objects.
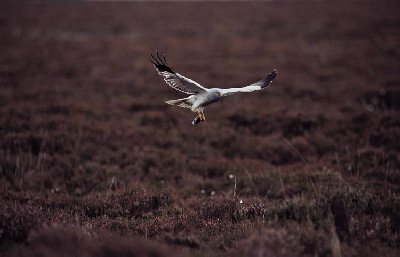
[{"x": 91, "y": 154}]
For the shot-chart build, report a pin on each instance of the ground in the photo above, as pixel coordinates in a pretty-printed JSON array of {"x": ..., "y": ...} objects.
[{"x": 94, "y": 163}]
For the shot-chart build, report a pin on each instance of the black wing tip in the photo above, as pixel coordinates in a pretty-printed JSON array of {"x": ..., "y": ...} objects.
[
  {"x": 269, "y": 78},
  {"x": 160, "y": 63}
]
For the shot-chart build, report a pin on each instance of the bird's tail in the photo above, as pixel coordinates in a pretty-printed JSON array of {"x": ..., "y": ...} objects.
[
  {"x": 174, "y": 102},
  {"x": 179, "y": 102}
]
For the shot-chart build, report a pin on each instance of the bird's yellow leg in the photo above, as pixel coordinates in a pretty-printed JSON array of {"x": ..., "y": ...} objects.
[{"x": 202, "y": 117}]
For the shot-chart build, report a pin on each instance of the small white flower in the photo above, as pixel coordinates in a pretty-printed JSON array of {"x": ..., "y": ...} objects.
[
  {"x": 212, "y": 193},
  {"x": 241, "y": 201},
  {"x": 203, "y": 191},
  {"x": 231, "y": 176}
]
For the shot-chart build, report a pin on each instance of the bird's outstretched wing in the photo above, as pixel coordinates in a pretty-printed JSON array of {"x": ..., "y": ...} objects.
[
  {"x": 265, "y": 82},
  {"x": 173, "y": 79}
]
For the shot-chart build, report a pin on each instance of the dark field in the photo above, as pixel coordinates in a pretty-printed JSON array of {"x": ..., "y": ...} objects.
[{"x": 94, "y": 163}]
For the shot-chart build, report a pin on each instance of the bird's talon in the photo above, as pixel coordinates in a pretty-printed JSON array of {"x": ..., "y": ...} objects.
[{"x": 202, "y": 116}]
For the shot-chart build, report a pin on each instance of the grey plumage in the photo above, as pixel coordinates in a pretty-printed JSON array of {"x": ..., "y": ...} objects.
[{"x": 200, "y": 97}]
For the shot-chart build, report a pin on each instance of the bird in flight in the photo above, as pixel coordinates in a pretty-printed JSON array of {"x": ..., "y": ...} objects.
[{"x": 200, "y": 97}]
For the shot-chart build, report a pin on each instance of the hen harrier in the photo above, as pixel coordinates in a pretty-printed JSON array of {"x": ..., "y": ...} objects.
[{"x": 200, "y": 96}]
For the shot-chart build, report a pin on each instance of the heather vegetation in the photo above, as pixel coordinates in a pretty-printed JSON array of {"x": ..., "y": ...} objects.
[{"x": 93, "y": 163}]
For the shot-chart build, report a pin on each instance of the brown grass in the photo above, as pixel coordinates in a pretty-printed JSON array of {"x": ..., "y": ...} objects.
[{"x": 93, "y": 163}]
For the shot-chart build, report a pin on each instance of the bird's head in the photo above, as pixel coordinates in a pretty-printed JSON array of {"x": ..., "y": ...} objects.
[{"x": 217, "y": 93}]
